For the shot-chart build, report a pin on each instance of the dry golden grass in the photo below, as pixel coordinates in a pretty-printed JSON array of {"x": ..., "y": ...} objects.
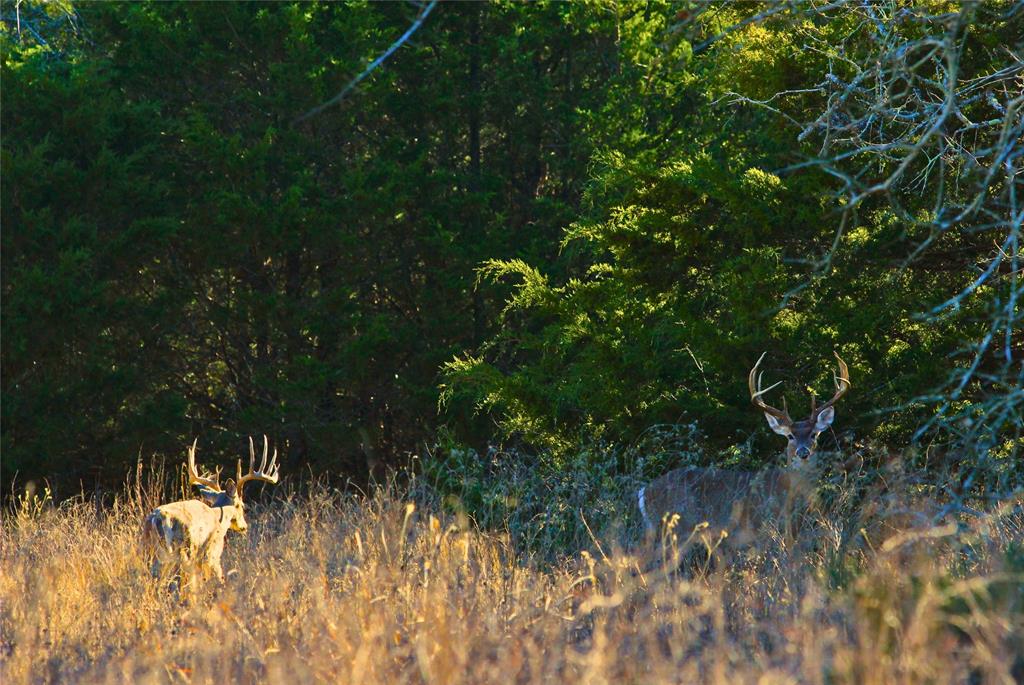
[{"x": 339, "y": 589}]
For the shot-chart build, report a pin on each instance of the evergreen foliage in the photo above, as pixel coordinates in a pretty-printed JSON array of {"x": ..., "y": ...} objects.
[
  {"x": 180, "y": 260},
  {"x": 732, "y": 235},
  {"x": 576, "y": 220}
]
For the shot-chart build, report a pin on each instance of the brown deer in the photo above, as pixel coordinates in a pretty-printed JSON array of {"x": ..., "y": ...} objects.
[
  {"x": 715, "y": 503},
  {"x": 190, "y": 534}
]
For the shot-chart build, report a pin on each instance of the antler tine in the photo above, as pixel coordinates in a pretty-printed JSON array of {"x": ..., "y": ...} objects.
[
  {"x": 842, "y": 382},
  {"x": 754, "y": 383},
  {"x": 844, "y": 372},
  {"x": 266, "y": 448},
  {"x": 267, "y": 472},
  {"x": 193, "y": 473},
  {"x": 774, "y": 385}
]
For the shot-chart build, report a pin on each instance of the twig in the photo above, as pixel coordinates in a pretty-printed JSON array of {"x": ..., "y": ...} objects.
[{"x": 373, "y": 65}]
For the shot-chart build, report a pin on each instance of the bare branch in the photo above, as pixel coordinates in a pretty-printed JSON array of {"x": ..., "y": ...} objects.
[
  {"x": 420, "y": 18},
  {"x": 902, "y": 126}
]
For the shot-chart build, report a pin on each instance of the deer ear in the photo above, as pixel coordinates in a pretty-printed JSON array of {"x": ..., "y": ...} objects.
[
  {"x": 824, "y": 419},
  {"x": 229, "y": 488},
  {"x": 776, "y": 425}
]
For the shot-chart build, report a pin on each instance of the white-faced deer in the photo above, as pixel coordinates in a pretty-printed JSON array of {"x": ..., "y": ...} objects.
[
  {"x": 738, "y": 502},
  {"x": 189, "y": 535}
]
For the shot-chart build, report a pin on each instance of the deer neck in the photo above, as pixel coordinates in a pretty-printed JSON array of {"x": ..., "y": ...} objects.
[
  {"x": 225, "y": 514},
  {"x": 807, "y": 472}
]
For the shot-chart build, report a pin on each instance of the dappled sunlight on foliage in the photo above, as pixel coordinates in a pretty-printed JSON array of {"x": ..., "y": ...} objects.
[{"x": 826, "y": 192}]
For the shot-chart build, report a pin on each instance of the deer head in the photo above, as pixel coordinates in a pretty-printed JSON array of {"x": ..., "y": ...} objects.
[
  {"x": 802, "y": 435},
  {"x": 231, "y": 494}
]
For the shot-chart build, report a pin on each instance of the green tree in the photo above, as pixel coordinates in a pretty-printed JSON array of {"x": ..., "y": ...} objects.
[
  {"x": 719, "y": 232},
  {"x": 181, "y": 259}
]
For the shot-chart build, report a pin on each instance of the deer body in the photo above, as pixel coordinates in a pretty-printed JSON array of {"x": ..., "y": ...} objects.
[
  {"x": 189, "y": 535},
  {"x": 734, "y": 502},
  {"x": 712, "y": 501}
]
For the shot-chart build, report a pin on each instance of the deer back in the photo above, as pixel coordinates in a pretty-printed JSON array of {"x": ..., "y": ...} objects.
[{"x": 191, "y": 522}]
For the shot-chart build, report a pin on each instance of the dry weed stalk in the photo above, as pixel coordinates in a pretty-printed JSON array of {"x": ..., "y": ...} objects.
[{"x": 378, "y": 590}]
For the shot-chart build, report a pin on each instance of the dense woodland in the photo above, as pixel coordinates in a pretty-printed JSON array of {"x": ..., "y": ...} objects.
[
  {"x": 558, "y": 233},
  {"x": 481, "y": 271}
]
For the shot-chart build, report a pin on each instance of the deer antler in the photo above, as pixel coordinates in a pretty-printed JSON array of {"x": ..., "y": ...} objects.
[
  {"x": 754, "y": 382},
  {"x": 193, "y": 474},
  {"x": 842, "y": 385},
  {"x": 266, "y": 472}
]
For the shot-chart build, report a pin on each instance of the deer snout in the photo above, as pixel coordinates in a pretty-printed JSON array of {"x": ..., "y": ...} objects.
[{"x": 803, "y": 451}]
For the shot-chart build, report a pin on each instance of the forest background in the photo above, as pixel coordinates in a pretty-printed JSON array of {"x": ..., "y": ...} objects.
[{"x": 541, "y": 238}]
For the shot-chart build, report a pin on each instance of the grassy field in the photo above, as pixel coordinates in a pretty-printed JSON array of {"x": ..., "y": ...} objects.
[{"x": 343, "y": 589}]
